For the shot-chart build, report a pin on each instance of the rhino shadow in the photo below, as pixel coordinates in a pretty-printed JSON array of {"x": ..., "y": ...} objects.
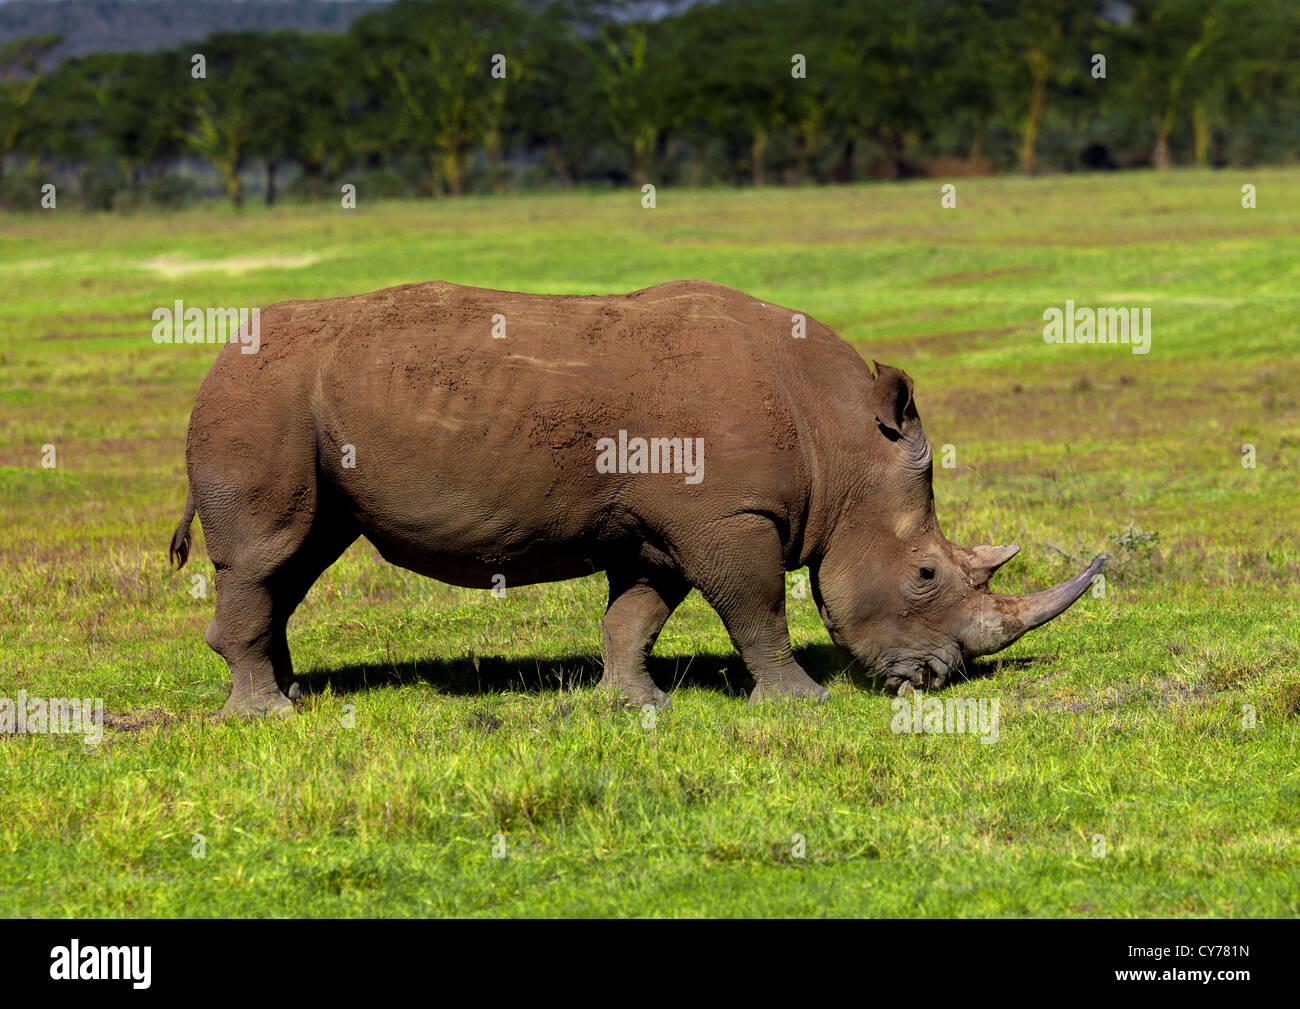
[
  {"x": 490, "y": 674},
  {"x": 984, "y": 669}
]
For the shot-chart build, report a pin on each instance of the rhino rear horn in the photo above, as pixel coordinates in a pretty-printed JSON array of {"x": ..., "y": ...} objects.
[{"x": 980, "y": 562}]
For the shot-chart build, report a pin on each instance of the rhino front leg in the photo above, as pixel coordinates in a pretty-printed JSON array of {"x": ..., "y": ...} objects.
[
  {"x": 639, "y": 606},
  {"x": 743, "y": 579}
]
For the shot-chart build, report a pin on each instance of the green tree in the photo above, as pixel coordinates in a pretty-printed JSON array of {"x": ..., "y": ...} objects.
[
  {"x": 20, "y": 73},
  {"x": 631, "y": 62},
  {"x": 1038, "y": 47},
  {"x": 431, "y": 63},
  {"x": 222, "y": 105}
]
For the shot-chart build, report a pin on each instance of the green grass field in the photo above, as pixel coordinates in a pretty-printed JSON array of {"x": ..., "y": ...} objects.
[{"x": 436, "y": 719}]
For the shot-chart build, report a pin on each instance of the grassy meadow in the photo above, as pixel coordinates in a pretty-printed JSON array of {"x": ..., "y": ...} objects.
[{"x": 1146, "y": 763}]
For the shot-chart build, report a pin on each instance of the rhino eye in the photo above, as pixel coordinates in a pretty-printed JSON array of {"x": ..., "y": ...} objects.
[{"x": 927, "y": 573}]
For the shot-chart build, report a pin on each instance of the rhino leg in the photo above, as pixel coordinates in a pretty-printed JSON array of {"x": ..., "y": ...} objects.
[
  {"x": 333, "y": 531},
  {"x": 262, "y": 576},
  {"x": 743, "y": 579},
  {"x": 241, "y": 632},
  {"x": 330, "y": 536},
  {"x": 639, "y": 606},
  {"x": 282, "y": 661}
]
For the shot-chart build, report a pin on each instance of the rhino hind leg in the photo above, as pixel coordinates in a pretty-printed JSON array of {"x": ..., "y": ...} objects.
[
  {"x": 258, "y": 588},
  {"x": 639, "y": 606},
  {"x": 331, "y": 534},
  {"x": 241, "y": 632},
  {"x": 742, "y": 576}
]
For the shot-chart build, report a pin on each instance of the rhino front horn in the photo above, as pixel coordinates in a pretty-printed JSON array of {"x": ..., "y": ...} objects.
[{"x": 1000, "y": 620}]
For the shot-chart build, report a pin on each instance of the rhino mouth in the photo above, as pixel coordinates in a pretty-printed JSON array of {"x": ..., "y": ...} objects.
[{"x": 926, "y": 674}]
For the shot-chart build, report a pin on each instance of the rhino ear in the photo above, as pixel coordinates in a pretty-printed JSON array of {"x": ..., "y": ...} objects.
[
  {"x": 894, "y": 404},
  {"x": 980, "y": 562},
  {"x": 897, "y": 419}
]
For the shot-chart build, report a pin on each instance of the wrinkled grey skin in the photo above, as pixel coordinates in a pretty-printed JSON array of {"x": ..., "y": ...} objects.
[{"x": 474, "y": 457}]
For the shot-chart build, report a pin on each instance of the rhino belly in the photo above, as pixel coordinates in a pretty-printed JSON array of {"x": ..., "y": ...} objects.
[{"x": 466, "y": 498}]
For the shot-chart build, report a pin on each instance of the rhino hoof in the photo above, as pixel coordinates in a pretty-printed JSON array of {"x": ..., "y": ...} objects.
[
  {"x": 787, "y": 690},
  {"x": 636, "y": 696},
  {"x": 245, "y": 706},
  {"x": 648, "y": 699}
]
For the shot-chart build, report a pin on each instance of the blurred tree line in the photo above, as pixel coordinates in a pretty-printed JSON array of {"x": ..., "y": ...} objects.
[{"x": 443, "y": 97}]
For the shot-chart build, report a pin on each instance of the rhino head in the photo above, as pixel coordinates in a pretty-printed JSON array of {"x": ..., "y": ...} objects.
[{"x": 907, "y": 604}]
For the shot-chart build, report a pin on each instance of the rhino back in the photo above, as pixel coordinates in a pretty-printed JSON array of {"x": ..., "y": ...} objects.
[{"x": 473, "y": 454}]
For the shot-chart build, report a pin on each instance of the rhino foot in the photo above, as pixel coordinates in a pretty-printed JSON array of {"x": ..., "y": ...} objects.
[
  {"x": 788, "y": 688},
  {"x": 247, "y": 705},
  {"x": 637, "y": 696}
]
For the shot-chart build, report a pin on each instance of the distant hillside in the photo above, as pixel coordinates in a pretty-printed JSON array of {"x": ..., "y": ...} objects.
[{"x": 89, "y": 26}]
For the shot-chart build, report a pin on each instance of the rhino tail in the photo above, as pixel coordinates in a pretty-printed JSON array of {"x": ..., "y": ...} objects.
[{"x": 179, "y": 552}]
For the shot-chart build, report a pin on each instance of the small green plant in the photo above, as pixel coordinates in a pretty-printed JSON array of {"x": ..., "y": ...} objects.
[{"x": 1135, "y": 540}]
